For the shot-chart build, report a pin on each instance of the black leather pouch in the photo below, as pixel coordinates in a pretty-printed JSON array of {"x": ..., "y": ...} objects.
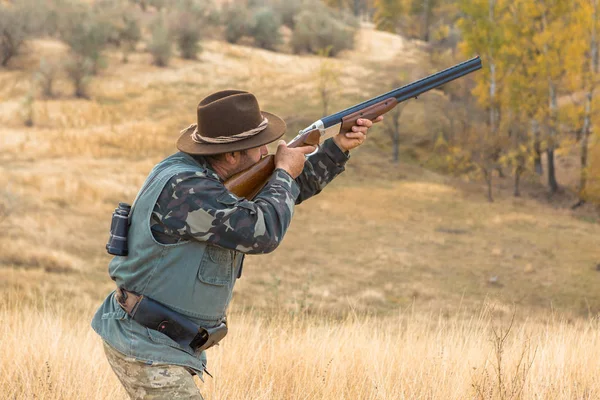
[
  {"x": 208, "y": 337},
  {"x": 154, "y": 315}
]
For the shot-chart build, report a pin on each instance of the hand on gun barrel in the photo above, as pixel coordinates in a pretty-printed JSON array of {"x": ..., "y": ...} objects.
[{"x": 357, "y": 135}]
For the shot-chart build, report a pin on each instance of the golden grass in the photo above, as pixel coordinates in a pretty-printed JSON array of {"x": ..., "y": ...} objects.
[
  {"x": 56, "y": 261},
  {"x": 50, "y": 352}
]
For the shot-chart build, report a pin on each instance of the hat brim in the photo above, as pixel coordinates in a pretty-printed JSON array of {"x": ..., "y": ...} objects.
[{"x": 274, "y": 130}]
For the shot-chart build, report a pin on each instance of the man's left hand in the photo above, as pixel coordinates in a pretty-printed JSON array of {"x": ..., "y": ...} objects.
[{"x": 356, "y": 136}]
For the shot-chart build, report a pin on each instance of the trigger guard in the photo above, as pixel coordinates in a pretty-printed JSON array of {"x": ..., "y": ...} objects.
[{"x": 314, "y": 152}]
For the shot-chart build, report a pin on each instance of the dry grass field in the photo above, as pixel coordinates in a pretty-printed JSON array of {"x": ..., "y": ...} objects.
[
  {"x": 394, "y": 283},
  {"x": 406, "y": 356}
]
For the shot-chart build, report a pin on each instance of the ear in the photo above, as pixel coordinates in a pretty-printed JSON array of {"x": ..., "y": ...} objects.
[{"x": 232, "y": 157}]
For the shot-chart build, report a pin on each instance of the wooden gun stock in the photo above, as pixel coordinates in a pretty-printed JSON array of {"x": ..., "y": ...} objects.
[{"x": 249, "y": 182}]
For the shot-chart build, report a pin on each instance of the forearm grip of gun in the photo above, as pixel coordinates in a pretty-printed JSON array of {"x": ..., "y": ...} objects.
[{"x": 370, "y": 113}]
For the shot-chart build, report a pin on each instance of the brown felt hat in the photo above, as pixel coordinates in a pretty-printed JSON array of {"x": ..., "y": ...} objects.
[{"x": 230, "y": 120}]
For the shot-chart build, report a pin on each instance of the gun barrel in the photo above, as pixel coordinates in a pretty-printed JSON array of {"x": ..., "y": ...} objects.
[{"x": 411, "y": 90}]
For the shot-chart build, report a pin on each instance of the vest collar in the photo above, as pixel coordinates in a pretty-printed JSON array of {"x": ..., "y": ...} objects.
[{"x": 200, "y": 160}]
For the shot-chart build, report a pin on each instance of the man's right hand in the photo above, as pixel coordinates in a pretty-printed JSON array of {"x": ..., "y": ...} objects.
[{"x": 291, "y": 160}]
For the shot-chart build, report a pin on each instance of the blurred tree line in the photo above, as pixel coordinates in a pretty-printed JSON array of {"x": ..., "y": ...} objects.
[
  {"x": 535, "y": 95},
  {"x": 537, "y": 88},
  {"x": 165, "y": 28}
]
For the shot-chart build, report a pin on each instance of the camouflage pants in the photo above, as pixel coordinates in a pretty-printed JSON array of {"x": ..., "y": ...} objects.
[{"x": 143, "y": 381}]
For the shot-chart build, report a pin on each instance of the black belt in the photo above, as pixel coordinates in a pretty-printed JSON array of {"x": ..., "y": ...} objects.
[{"x": 154, "y": 315}]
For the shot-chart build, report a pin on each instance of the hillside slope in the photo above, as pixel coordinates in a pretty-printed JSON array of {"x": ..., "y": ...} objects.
[{"x": 381, "y": 238}]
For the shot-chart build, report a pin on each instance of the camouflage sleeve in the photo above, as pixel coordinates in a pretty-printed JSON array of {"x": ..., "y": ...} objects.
[
  {"x": 202, "y": 208},
  {"x": 320, "y": 169}
]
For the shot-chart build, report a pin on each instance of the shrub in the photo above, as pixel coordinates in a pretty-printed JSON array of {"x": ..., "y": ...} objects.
[
  {"x": 129, "y": 35},
  {"x": 236, "y": 23},
  {"x": 79, "y": 69},
  {"x": 287, "y": 10},
  {"x": 27, "y": 110},
  {"x": 187, "y": 37},
  {"x": 86, "y": 35},
  {"x": 185, "y": 23},
  {"x": 318, "y": 28},
  {"x": 46, "y": 76},
  {"x": 109, "y": 13},
  {"x": 13, "y": 32},
  {"x": 347, "y": 19},
  {"x": 20, "y": 21},
  {"x": 160, "y": 45},
  {"x": 265, "y": 29},
  {"x": 188, "y": 22},
  {"x": 121, "y": 22},
  {"x": 213, "y": 17},
  {"x": 48, "y": 18}
]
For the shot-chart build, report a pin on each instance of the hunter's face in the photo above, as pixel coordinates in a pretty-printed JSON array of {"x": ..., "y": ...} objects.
[{"x": 251, "y": 157}]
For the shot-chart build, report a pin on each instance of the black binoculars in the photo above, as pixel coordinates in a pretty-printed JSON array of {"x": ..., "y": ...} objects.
[{"x": 119, "y": 226}]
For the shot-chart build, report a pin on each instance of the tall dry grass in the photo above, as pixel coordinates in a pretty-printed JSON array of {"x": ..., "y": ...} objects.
[{"x": 50, "y": 352}]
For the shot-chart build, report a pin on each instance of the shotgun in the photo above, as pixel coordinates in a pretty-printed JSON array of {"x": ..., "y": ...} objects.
[{"x": 249, "y": 182}]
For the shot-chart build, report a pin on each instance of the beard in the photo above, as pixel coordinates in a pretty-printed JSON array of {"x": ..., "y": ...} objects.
[{"x": 245, "y": 162}]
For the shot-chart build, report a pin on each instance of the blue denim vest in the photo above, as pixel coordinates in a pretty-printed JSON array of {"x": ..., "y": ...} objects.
[{"x": 192, "y": 277}]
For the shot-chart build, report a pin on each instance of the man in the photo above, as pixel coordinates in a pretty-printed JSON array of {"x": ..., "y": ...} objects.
[{"x": 189, "y": 234}]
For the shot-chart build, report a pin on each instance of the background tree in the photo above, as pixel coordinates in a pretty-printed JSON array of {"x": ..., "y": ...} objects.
[
  {"x": 160, "y": 45},
  {"x": 129, "y": 35},
  {"x": 287, "y": 11},
  {"x": 317, "y": 27},
  {"x": 79, "y": 70},
  {"x": 188, "y": 21},
  {"x": 387, "y": 15},
  {"x": 392, "y": 122},
  {"x": 46, "y": 76},
  {"x": 328, "y": 81},
  {"x": 122, "y": 24},
  {"x": 187, "y": 35},
  {"x": 357, "y": 7},
  {"x": 522, "y": 97},
  {"x": 526, "y": 87},
  {"x": 518, "y": 155},
  {"x": 86, "y": 33},
  {"x": 483, "y": 30},
  {"x": 588, "y": 16},
  {"x": 15, "y": 28},
  {"x": 423, "y": 10},
  {"x": 551, "y": 27},
  {"x": 236, "y": 20},
  {"x": 265, "y": 28}
]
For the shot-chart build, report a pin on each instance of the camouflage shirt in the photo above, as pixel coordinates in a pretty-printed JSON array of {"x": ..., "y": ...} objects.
[{"x": 201, "y": 208}]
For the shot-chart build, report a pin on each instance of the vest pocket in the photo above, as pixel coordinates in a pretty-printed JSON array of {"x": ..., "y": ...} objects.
[{"x": 216, "y": 266}]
